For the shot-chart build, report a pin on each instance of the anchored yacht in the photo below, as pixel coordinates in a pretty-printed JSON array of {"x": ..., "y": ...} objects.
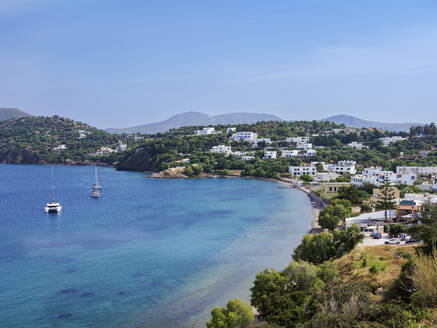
[{"x": 53, "y": 206}]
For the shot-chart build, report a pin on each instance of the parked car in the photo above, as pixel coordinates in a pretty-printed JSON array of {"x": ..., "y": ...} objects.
[
  {"x": 377, "y": 235},
  {"x": 412, "y": 240},
  {"x": 393, "y": 241}
]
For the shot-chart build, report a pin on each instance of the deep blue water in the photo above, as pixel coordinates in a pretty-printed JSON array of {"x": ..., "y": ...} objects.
[{"x": 148, "y": 253}]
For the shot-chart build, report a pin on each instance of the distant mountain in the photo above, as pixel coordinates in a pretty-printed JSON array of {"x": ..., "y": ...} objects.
[
  {"x": 359, "y": 123},
  {"x": 9, "y": 113},
  {"x": 197, "y": 118}
]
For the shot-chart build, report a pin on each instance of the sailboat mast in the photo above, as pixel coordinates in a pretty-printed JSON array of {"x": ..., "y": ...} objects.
[
  {"x": 53, "y": 188},
  {"x": 96, "y": 175}
]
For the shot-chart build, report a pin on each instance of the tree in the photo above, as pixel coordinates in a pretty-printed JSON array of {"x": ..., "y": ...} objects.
[
  {"x": 336, "y": 211},
  {"x": 306, "y": 178},
  {"x": 316, "y": 248},
  {"x": 237, "y": 314},
  {"x": 427, "y": 231},
  {"x": 319, "y": 167},
  {"x": 289, "y": 297},
  {"x": 386, "y": 199}
]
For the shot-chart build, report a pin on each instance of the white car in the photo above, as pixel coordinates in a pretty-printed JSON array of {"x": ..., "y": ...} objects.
[{"x": 393, "y": 241}]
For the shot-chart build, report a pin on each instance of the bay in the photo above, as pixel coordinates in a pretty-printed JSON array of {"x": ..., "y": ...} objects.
[{"x": 148, "y": 253}]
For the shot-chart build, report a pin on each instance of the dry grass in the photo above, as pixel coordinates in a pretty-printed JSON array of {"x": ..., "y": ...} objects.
[
  {"x": 424, "y": 278},
  {"x": 377, "y": 264}
]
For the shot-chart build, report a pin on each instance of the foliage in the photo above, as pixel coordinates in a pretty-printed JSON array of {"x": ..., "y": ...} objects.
[
  {"x": 334, "y": 213},
  {"x": 237, "y": 314},
  {"x": 427, "y": 231},
  {"x": 424, "y": 278},
  {"x": 386, "y": 199},
  {"x": 306, "y": 178},
  {"x": 288, "y": 297},
  {"x": 324, "y": 246}
]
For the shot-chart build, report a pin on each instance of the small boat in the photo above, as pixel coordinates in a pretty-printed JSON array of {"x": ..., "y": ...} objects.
[
  {"x": 53, "y": 206},
  {"x": 95, "y": 191}
]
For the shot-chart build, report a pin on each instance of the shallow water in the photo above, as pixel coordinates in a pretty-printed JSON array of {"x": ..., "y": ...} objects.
[{"x": 148, "y": 253}]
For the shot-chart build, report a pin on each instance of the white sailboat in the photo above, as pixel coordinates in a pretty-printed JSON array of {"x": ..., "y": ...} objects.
[
  {"x": 95, "y": 192},
  {"x": 53, "y": 206}
]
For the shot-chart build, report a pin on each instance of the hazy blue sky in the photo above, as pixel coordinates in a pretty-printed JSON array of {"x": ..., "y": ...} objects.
[{"x": 115, "y": 63}]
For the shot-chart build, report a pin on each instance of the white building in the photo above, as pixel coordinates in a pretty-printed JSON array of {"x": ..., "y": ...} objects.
[
  {"x": 370, "y": 219},
  {"x": 82, "y": 134},
  {"x": 298, "y": 171},
  {"x": 326, "y": 176},
  {"x": 229, "y": 130},
  {"x": 122, "y": 146},
  {"x": 247, "y": 157},
  {"x": 221, "y": 149},
  {"x": 388, "y": 140},
  {"x": 298, "y": 139},
  {"x": 343, "y": 167},
  {"x": 60, "y": 147},
  {"x": 290, "y": 153},
  {"x": 255, "y": 142},
  {"x": 304, "y": 145},
  {"x": 356, "y": 145},
  {"x": 244, "y": 136},
  {"x": 377, "y": 176},
  {"x": 425, "y": 170},
  {"x": 270, "y": 154},
  {"x": 310, "y": 153},
  {"x": 207, "y": 130}
]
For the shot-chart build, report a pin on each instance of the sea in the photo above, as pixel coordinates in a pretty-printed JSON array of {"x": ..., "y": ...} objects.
[{"x": 148, "y": 253}]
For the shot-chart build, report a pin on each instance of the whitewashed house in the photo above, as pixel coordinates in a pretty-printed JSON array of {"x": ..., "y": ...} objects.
[
  {"x": 355, "y": 145},
  {"x": 272, "y": 154},
  {"x": 230, "y": 130},
  {"x": 290, "y": 153},
  {"x": 388, "y": 140},
  {"x": 207, "y": 130},
  {"x": 304, "y": 145},
  {"x": 244, "y": 136},
  {"x": 343, "y": 167},
  {"x": 298, "y": 139},
  {"x": 247, "y": 157},
  {"x": 221, "y": 149},
  {"x": 122, "y": 146},
  {"x": 60, "y": 147},
  {"x": 425, "y": 170},
  {"x": 297, "y": 171},
  {"x": 310, "y": 153}
]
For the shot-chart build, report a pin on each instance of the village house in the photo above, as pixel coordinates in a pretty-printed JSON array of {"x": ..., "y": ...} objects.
[
  {"x": 297, "y": 171},
  {"x": 325, "y": 176},
  {"x": 290, "y": 153},
  {"x": 355, "y": 145},
  {"x": 244, "y": 136},
  {"x": 60, "y": 147},
  {"x": 270, "y": 154},
  {"x": 207, "y": 130},
  {"x": 424, "y": 170},
  {"x": 230, "y": 130},
  {"x": 221, "y": 149},
  {"x": 388, "y": 140}
]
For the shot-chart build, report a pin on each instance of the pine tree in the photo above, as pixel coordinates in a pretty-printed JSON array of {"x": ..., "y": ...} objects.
[{"x": 386, "y": 200}]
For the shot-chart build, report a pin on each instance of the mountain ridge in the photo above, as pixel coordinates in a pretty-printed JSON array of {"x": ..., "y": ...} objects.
[
  {"x": 192, "y": 118},
  {"x": 356, "y": 122},
  {"x": 10, "y": 113}
]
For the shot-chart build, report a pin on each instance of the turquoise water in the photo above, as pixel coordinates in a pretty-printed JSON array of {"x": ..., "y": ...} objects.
[{"x": 148, "y": 253}]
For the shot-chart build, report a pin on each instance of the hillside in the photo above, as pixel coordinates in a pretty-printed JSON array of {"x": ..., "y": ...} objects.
[
  {"x": 9, "y": 113},
  {"x": 359, "y": 123},
  {"x": 197, "y": 119},
  {"x": 33, "y": 139}
]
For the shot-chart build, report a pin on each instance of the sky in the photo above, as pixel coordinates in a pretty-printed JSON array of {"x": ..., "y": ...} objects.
[{"x": 120, "y": 63}]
